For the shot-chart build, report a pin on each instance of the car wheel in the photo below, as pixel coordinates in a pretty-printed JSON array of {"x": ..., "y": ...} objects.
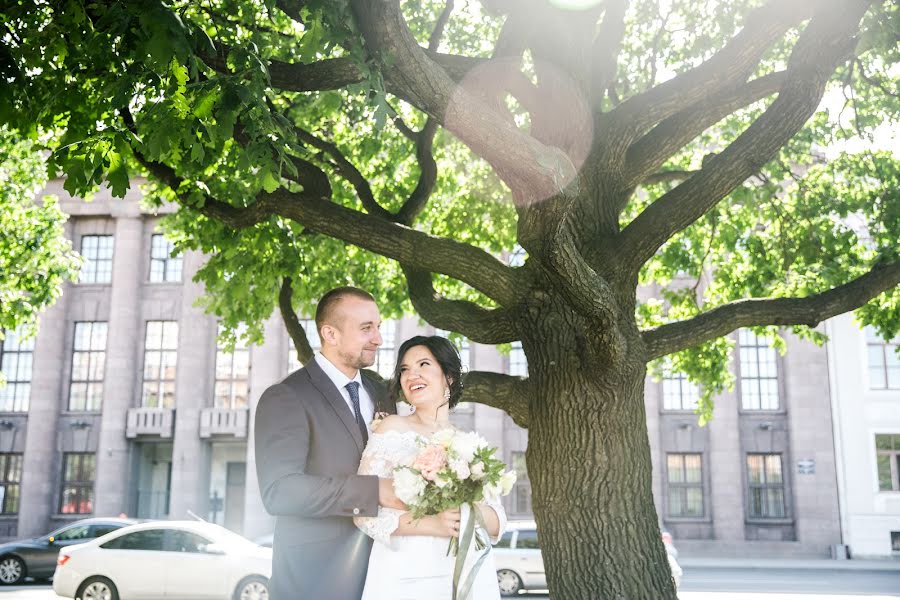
[
  {"x": 12, "y": 570},
  {"x": 509, "y": 582},
  {"x": 252, "y": 588},
  {"x": 97, "y": 588}
]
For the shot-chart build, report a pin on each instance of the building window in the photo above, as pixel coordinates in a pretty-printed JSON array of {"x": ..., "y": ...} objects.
[
  {"x": 88, "y": 360},
  {"x": 10, "y": 478},
  {"x": 160, "y": 360},
  {"x": 895, "y": 541},
  {"x": 884, "y": 364},
  {"x": 521, "y": 493},
  {"x": 97, "y": 251},
  {"x": 518, "y": 364},
  {"x": 312, "y": 336},
  {"x": 232, "y": 374},
  {"x": 386, "y": 357},
  {"x": 759, "y": 372},
  {"x": 685, "y": 478},
  {"x": 766, "y": 486},
  {"x": 678, "y": 392},
  {"x": 15, "y": 364},
  {"x": 164, "y": 266},
  {"x": 887, "y": 451},
  {"x": 78, "y": 483}
]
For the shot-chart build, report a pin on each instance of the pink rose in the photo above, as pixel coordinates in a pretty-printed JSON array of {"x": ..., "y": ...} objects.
[{"x": 430, "y": 461}]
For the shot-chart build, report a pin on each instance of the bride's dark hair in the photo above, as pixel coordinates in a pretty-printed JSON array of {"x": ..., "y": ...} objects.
[{"x": 447, "y": 358}]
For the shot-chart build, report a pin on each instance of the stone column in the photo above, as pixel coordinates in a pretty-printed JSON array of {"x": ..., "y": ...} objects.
[
  {"x": 123, "y": 345},
  {"x": 193, "y": 391},
  {"x": 267, "y": 366},
  {"x": 39, "y": 497},
  {"x": 726, "y": 468}
]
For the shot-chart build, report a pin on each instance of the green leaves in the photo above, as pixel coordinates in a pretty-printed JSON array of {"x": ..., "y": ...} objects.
[{"x": 35, "y": 256}]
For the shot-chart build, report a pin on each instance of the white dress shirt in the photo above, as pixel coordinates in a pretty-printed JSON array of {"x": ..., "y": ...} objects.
[{"x": 366, "y": 406}]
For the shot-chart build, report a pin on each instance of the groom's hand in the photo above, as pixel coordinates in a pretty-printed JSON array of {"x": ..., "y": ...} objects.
[{"x": 386, "y": 496}]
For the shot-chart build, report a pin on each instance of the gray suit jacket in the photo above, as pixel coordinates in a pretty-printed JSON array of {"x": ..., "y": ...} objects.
[{"x": 308, "y": 449}]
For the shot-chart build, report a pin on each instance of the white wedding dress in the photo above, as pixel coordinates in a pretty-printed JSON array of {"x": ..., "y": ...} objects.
[{"x": 414, "y": 567}]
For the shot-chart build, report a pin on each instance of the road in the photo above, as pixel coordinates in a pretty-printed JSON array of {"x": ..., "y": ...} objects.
[{"x": 703, "y": 583}]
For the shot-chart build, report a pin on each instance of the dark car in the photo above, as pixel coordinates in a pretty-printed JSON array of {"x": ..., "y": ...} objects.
[{"x": 36, "y": 557}]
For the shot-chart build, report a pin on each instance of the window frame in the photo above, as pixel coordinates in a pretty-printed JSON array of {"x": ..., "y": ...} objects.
[
  {"x": 160, "y": 381},
  {"x": 168, "y": 261},
  {"x": 6, "y": 482},
  {"x": 893, "y": 455},
  {"x": 90, "y": 272},
  {"x": 872, "y": 339},
  {"x": 80, "y": 485},
  {"x": 742, "y": 351},
  {"x": 12, "y": 347},
  {"x": 91, "y": 353},
  {"x": 671, "y": 375},
  {"x": 783, "y": 486},
  {"x": 685, "y": 485},
  {"x": 232, "y": 380}
]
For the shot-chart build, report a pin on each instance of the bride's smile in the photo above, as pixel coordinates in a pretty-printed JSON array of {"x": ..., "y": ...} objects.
[{"x": 421, "y": 378}]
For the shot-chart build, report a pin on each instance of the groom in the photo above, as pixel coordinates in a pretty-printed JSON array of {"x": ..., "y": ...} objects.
[{"x": 310, "y": 432}]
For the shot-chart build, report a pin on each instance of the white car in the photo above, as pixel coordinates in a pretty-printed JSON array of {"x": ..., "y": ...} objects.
[
  {"x": 165, "y": 559},
  {"x": 517, "y": 557}
]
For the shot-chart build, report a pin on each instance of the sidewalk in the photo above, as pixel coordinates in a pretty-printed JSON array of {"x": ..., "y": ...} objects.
[{"x": 888, "y": 564}]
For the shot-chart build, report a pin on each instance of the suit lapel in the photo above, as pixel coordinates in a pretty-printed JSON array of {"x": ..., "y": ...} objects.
[{"x": 335, "y": 399}]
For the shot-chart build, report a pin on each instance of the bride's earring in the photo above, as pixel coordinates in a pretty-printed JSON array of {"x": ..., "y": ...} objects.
[{"x": 446, "y": 394}]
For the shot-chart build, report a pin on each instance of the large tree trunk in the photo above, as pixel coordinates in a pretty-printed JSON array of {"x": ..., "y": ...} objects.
[{"x": 589, "y": 462}]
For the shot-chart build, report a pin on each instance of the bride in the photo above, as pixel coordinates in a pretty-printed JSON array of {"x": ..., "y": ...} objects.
[{"x": 409, "y": 559}]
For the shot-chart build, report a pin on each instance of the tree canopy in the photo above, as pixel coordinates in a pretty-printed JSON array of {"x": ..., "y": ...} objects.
[
  {"x": 706, "y": 149},
  {"x": 35, "y": 256}
]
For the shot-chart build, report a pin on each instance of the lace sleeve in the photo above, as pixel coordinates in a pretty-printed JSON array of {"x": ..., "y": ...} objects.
[{"x": 376, "y": 460}]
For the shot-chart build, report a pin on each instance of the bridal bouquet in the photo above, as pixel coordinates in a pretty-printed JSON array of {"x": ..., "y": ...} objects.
[{"x": 451, "y": 469}]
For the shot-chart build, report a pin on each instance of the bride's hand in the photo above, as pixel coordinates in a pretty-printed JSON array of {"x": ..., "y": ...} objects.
[{"x": 447, "y": 523}]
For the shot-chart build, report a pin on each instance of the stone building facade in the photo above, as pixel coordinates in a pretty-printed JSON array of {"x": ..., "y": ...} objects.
[{"x": 125, "y": 404}]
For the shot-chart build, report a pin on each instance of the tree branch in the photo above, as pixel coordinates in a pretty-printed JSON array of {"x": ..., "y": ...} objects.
[
  {"x": 482, "y": 325},
  {"x": 510, "y": 394},
  {"x": 347, "y": 170},
  {"x": 667, "y": 176},
  {"x": 827, "y": 40},
  {"x": 292, "y": 323},
  {"x": 435, "y": 40},
  {"x": 727, "y": 68},
  {"x": 427, "y": 174},
  {"x": 291, "y": 8},
  {"x": 520, "y": 160},
  {"x": 458, "y": 260},
  {"x": 809, "y": 311},
  {"x": 671, "y": 135},
  {"x": 606, "y": 48}
]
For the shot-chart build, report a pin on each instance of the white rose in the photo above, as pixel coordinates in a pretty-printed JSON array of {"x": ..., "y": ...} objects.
[
  {"x": 467, "y": 444},
  {"x": 507, "y": 481},
  {"x": 444, "y": 437},
  {"x": 460, "y": 468},
  {"x": 408, "y": 486},
  {"x": 492, "y": 492},
  {"x": 477, "y": 470}
]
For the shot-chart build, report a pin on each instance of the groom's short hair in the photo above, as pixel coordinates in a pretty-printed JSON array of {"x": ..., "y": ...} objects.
[{"x": 328, "y": 303}]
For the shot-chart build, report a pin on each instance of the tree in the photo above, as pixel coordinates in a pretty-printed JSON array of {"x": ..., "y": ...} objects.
[
  {"x": 407, "y": 144},
  {"x": 35, "y": 256}
]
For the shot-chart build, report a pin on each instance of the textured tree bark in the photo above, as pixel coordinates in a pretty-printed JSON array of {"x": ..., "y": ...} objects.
[{"x": 589, "y": 462}]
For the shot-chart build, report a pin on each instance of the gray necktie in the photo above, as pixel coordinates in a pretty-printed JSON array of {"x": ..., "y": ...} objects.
[{"x": 353, "y": 388}]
